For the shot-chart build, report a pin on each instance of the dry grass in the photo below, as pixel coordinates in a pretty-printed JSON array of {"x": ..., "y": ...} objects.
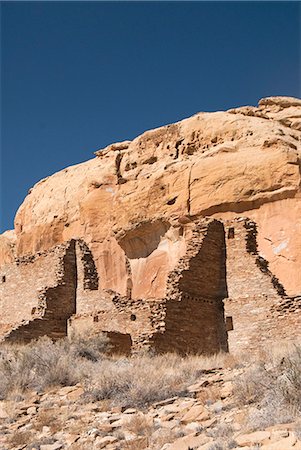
[
  {"x": 163, "y": 436},
  {"x": 136, "y": 381},
  {"x": 20, "y": 439},
  {"x": 272, "y": 386},
  {"x": 48, "y": 418},
  {"x": 44, "y": 363},
  {"x": 139, "y": 443},
  {"x": 140, "y": 381},
  {"x": 223, "y": 435},
  {"x": 140, "y": 425},
  {"x": 209, "y": 395}
]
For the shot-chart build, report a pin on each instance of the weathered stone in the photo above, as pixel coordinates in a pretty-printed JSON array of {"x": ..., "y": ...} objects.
[
  {"x": 130, "y": 411},
  {"x": 226, "y": 390},
  {"x": 198, "y": 386},
  {"x": 75, "y": 394},
  {"x": 279, "y": 434},
  {"x": 31, "y": 410},
  {"x": 102, "y": 442},
  {"x": 197, "y": 413},
  {"x": 288, "y": 443},
  {"x": 257, "y": 437},
  {"x": 190, "y": 441},
  {"x": 121, "y": 244},
  {"x": 55, "y": 446},
  {"x": 3, "y": 410}
]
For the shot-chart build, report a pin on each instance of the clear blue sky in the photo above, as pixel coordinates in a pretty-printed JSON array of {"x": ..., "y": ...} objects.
[{"x": 76, "y": 76}]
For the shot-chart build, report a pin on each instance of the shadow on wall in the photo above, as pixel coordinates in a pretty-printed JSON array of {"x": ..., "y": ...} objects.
[
  {"x": 194, "y": 317},
  {"x": 144, "y": 239}
]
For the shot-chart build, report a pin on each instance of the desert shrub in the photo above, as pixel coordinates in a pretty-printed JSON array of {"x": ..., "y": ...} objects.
[
  {"x": 162, "y": 436},
  {"x": 223, "y": 445},
  {"x": 133, "y": 381},
  {"x": 44, "y": 363},
  {"x": 20, "y": 438},
  {"x": 35, "y": 366},
  {"x": 49, "y": 418},
  {"x": 223, "y": 433},
  {"x": 250, "y": 387},
  {"x": 273, "y": 388},
  {"x": 36, "y": 444},
  {"x": 91, "y": 347},
  {"x": 146, "y": 379},
  {"x": 140, "y": 425}
]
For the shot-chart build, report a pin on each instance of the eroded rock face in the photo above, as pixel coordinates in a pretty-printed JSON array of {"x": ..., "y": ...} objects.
[
  {"x": 7, "y": 247},
  {"x": 245, "y": 161},
  {"x": 122, "y": 243}
]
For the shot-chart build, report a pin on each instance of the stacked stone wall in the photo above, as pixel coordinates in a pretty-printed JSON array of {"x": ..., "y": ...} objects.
[
  {"x": 220, "y": 271},
  {"x": 37, "y": 295},
  {"x": 257, "y": 300},
  {"x": 194, "y": 311}
]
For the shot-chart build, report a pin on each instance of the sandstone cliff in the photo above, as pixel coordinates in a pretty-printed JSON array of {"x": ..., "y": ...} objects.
[{"x": 241, "y": 162}]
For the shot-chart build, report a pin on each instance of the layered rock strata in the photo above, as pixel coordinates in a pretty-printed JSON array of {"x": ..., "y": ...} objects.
[{"x": 135, "y": 216}]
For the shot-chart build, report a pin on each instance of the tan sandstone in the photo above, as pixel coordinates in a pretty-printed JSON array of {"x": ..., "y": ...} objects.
[
  {"x": 166, "y": 227},
  {"x": 242, "y": 161}
]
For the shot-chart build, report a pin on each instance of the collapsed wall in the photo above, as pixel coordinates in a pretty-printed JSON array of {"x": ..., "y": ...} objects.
[
  {"x": 198, "y": 287},
  {"x": 257, "y": 308},
  {"x": 38, "y": 294},
  {"x": 194, "y": 311},
  {"x": 242, "y": 162},
  {"x": 111, "y": 244},
  {"x": 192, "y": 285}
]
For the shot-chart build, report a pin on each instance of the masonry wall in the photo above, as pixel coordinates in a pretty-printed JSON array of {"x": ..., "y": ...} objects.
[
  {"x": 255, "y": 294},
  {"x": 20, "y": 285},
  {"x": 37, "y": 294},
  {"x": 194, "y": 314},
  {"x": 40, "y": 295}
]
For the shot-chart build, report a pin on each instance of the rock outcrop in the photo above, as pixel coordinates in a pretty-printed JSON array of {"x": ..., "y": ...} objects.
[
  {"x": 244, "y": 161},
  {"x": 135, "y": 206}
]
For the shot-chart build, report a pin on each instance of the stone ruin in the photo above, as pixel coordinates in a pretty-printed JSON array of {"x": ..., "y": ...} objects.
[
  {"x": 186, "y": 239},
  {"x": 196, "y": 287}
]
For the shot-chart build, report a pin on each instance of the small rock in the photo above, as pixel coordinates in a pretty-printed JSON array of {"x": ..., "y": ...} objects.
[
  {"x": 283, "y": 444},
  {"x": 279, "y": 434},
  {"x": 258, "y": 437},
  {"x": 117, "y": 423},
  {"x": 226, "y": 390},
  {"x": 196, "y": 414},
  {"x": 165, "y": 402},
  {"x": 55, "y": 446},
  {"x": 3, "y": 413},
  {"x": 66, "y": 390},
  {"x": 198, "y": 386},
  {"x": 208, "y": 423},
  {"x": 75, "y": 394},
  {"x": 172, "y": 408},
  {"x": 116, "y": 409},
  {"x": 171, "y": 424},
  {"x": 167, "y": 417},
  {"x": 45, "y": 430},
  {"x": 93, "y": 432},
  {"x": 71, "y": 439},
  {"x": 105, "y": 427},
  {"x": 31, "y": 410},
  {"x": 102, "y": 442},
  {"x": 130, "y": 411},
  {"x": 190, "y": 441}
]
